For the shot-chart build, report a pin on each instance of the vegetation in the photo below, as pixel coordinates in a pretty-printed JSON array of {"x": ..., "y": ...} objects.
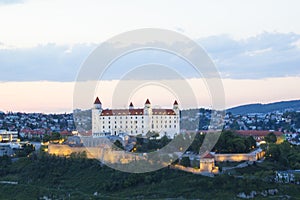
[
  {"x": 265, "y": 108},
  {"x": 232, "y": 143},
  {"x": 271, "y": 138},
  {"x": 148, "y": 145},
  {"x": 284, "y": 154},
  {"x": 80, "y": 178}
]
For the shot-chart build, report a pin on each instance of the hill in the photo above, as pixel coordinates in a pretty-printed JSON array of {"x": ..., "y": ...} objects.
[
  {"x": 45, "y": 176},
  {"x": 293, "y": 105}
]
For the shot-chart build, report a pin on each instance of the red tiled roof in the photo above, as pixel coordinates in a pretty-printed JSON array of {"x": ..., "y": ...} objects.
[
  {"x": 147, "y": 101},
  {"x": 208, "y": 155},
  {"x": 257, "y": 133},
  {"x": 109, "y": 112},
  {"x": 163, "y": 112},
  {"x": 136, "y": 111},
  {"x": 97, "y": 101}
]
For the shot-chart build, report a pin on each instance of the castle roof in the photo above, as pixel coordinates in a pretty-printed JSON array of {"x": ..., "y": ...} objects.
[
  {"x": 208, "y": 155},
  {"x": 97, "y": 101},
  {"x": 136, "y": 111},
  {"x": 175, "y": 103},
  {"x": 131, "y": 104},
  {"x": 147, "y": 101}
]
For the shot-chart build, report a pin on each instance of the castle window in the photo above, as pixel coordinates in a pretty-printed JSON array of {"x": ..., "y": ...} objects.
[
  {"x": 174, "y": 121},
  {"x": 170, "y": 121},
  {"x": 142, "y": 126},
  {"x": 142, "y": 117},
  {"x": 170, "y": 126},
  {"x": 174, "y": 126},
  {"x": 115, "y": 122},
  {"x": 109, "y": 122},
  {"x": 109, "y": 127},
  {"x": 115, "y": 126},
  {"x": 165, "y": 126},
  {"x": 103, "y": 127}
]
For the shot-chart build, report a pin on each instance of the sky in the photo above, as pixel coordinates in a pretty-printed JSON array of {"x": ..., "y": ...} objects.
[{"x": 255, "y": 46}]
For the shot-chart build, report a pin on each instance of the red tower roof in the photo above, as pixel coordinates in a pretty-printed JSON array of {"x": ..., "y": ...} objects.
[
  {"x": 147, "y": 101},
  {"x": 97, "y": 101},
  {"x": 175, "y": 103},
  {"x": 208, "y": 155}
]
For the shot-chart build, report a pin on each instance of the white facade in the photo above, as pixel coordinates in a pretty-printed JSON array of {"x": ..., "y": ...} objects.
[
  {"x": 134, "y": 121},
  {"x": 8, "y": 136}
]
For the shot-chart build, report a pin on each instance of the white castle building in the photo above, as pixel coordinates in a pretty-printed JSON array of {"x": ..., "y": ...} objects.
[{"x": 135, "y": 121}]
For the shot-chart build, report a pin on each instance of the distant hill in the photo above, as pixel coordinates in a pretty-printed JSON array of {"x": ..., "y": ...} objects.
[{"x": 266, "y": 108}]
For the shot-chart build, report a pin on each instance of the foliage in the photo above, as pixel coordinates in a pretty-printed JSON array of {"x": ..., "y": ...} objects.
[
  {"x": 271, "y": 138},
  {"x": 285, "y": 154},
  {"x": 27, "y": 149},
  {"x": 118, "y": 145},
  {"x": 185, "y": 161},
  {"x": 79, "y": 178},
  {"x": 148, "y": 145},
  {"x": 229, "y": 142}
]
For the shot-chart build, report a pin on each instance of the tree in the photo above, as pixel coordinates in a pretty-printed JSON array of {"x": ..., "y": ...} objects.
[
  {"x": 271, "y": 138},
  {"x": 55, "y": 136},
  {"x": 273, "y": 152},
  {"x": 46, "y": 138},
  {"x": 119, "y": 145},
  {"x": 185, "y": 161},
  {"x": 152, "y": 134}
]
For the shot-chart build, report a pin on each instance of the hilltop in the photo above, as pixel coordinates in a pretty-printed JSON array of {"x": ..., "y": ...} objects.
[{"x": 281, "y": 106}]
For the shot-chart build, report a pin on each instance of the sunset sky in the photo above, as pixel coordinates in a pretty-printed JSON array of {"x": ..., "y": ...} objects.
[{"x": 255, "y": 46}]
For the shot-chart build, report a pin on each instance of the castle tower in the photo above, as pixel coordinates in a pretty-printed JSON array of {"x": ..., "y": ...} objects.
[
  {"x": 96, "y": 112},
  {"x": 131, "y": 106},
  {"x": 147, "y": 116},
  {"x": 176, "y": 107},
  {"x": 147, "y": 108}
]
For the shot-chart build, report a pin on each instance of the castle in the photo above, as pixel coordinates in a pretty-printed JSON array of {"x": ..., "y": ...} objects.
[{"x": 135, "y": 121}]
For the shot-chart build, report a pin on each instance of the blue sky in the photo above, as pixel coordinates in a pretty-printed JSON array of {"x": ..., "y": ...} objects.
[{"x": 43, "y": 43}]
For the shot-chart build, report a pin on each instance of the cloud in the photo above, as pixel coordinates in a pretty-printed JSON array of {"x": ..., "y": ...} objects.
[
  {"x": 6, "y": 2},
  {"x": 263, "y": 56}
]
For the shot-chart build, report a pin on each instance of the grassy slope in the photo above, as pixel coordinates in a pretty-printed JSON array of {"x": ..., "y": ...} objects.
[{"x": 59, "y": 177}]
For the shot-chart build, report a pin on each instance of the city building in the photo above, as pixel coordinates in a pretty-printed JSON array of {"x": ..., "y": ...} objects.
[
  {"x": 135, "y": 121},
  {"x": 8, "y": 136}
]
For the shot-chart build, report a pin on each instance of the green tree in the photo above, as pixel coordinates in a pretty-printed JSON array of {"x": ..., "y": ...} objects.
[
  {"x": 55, "y": 136},
  {"x": 271, "y": 138},
  {"x": 185, "y": 161},
  {"x": 119, "y": 145}
]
